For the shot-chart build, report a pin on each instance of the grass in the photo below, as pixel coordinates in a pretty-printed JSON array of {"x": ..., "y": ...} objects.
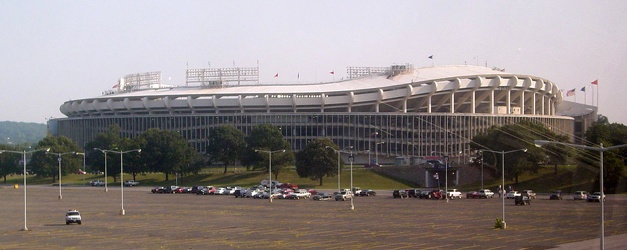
[{"x": 567, "y": 179}]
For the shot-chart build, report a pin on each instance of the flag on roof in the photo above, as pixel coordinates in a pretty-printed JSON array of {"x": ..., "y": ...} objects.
[
  {"x": 570, "y": 92},
  {"x": 115, "y": 86},
  {"x": 431, "y": 57},
  {"x": 276, "y": 75},
  {"x": 332, "y": 72},
  {"x": 595, "y": 82},
  {"x": 583, "y": 89}
]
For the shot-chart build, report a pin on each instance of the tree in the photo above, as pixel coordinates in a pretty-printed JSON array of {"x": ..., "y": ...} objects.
[
  {"x": 165, "y": 151},
  {"x": 9, "y": 162},
  {"x": 47, "y": 165},
  {"x": 225, "y": 145},
  {"x": 110, "y": 140},
  {"x": 316, "y": 161},
  {"x": 518, "y": 136},
  {"x": 609, "y": 134},
  {"x": 269, "y": 138}
]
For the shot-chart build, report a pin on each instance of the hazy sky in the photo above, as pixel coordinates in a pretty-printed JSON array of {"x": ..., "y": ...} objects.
[{"x": 54, "y": 51}]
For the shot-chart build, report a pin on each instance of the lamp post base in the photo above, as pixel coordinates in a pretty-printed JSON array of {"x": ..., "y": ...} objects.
[
  {"x": 24, "y": 229},
  {"x": 122, "y": 212},
  {"x": 60, "y": 197}
]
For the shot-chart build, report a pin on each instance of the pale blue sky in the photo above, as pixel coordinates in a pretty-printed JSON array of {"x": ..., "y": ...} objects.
[{"x": 54, "y": 51}]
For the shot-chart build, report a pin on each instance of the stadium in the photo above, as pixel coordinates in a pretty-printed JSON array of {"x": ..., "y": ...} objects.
[{"x": 391, "y": 115}]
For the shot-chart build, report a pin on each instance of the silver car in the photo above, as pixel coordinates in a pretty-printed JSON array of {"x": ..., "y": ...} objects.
[{"x": 580, "y": 195}]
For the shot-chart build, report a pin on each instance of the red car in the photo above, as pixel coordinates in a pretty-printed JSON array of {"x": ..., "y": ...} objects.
[{"x": 473, "y": 195}]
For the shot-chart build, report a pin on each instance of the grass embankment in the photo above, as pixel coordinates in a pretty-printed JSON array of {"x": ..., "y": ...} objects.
[{"x": 567, "y": 179}]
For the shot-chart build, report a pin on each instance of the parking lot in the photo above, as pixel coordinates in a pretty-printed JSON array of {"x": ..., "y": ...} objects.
[{"x": 188, "y": 221}]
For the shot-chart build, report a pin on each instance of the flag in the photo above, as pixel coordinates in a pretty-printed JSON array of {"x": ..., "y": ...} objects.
[
  {"x": 115, "y": 86},
  {"x": 595, "y": 82},
  {"x": 332, "y": 72},
  {"x": 570, "y": 92},
  {"x": 276, "y": 75},
  {"x": 583, "y": 89},
  {"x": 431, "y": 57}
]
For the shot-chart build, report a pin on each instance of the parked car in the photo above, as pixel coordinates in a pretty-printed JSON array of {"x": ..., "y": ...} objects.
[
  {"x": 529, "y": 193},
  {"x": 424, "y": 194},
  {"x": 344, "y": 195},
  {"x": 206, "y": 190},
  {"x": 368, "y": 192},
  {"x": 596, "y": 196},
  {"x": 556, "y": 195},
  {"x": 473, "y": 195},
  {"x": 411, "y": 193},
  {"x": 131, "y": 183},
  {"x": 512, "y": 194},
  {"x": 522, "y": 199},
  {"x": 486, "y": 193},
  {"x": 454, "y": 193},
  {"x": 580, "y": 195},
  {"x": 158, "y": 190},
  {"x": 301, "y": 194},
  {"x": 399, "y": 194},
  {"x": 97, "y": 183},
  {"x": 321, "y": 197},
  {"x": 238, "y": 193},
  {"x": 72, "y": 216},
  {"x": 221, "y": 191},
  {"x": 436, "y": 194}
]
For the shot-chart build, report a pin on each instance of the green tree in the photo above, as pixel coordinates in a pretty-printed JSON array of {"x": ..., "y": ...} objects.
[
  {"x": 165, "y": 151},
  {"x": 609, "y": 134},
  {"x": 225, "y": 145},
  {"x": 110, "y": 140},
  {"x": 518, "y": 136},
  {"x": 268, "y": 137},
  {"x": 47, "y": 165},
  {"x": 9, "y": 162},
  {"x": 316, "y": 161}
]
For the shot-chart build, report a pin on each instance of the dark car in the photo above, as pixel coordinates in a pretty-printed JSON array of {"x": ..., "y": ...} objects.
[
  {"x": 320, "y": 196},
  {"x": 522, "y": 200},
  {"x": 556, "y": 195},
  {"x": 368, "y": 192},
  {"x": 238, "y": 193},
  {"x": 473, "y": 195},
  {"x": 412, "y": 192},
  {"x": 158, "y": 190},
  {"x": 399, "y": 194}
]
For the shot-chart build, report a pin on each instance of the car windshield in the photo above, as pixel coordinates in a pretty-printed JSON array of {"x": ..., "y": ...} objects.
[{"x": 72, "y": 213}]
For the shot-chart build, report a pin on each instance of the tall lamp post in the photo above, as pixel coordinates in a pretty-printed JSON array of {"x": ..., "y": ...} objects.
[
  {"x": 376, "y": 152},
  {"x": 600, "y": 149},
  {"x": 350, "y": 159},
  {"x": 105, "y": 151},
  {"x": 84, "y": 170},
  {"x": 59, "y": 160},
  {"x": 122, "y": 212},
  {"x": 24, "y": 174},
  {"x": 446, "y": 159},
  {"x": 503, "y": 175},
  {"x": 270, "y": 166}
]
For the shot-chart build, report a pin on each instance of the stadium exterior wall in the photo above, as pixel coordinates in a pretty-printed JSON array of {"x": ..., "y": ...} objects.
[{"x": 372, "y": 135}]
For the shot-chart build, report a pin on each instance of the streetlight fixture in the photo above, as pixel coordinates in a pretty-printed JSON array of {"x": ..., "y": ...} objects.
[
  {"x": 59, "y": 160},
  {"x": 600, "y": 149},
  {"x": 24, "y": 174},
  {"x": 270, "y": 166},
  {"x": 84, "y": 169},
  {"x": 351, "y": 158},
  {"x": 122, "y": 212},
  {"x": 105, "y": 151},
  {"x": 503, "y": 175}
]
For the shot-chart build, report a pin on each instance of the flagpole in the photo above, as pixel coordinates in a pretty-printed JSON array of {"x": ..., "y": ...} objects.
[{"x": 592, "y": 87}]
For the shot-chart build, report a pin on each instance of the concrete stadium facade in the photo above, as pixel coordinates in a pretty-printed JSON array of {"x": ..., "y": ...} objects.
[{"x": 382, "y": 113}]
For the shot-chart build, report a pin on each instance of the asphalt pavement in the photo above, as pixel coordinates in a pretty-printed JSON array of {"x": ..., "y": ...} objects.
[{"x": 189, "y": 221}]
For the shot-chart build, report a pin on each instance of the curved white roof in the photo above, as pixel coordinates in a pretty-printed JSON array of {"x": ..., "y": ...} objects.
[{"x": 461, "y": 88}]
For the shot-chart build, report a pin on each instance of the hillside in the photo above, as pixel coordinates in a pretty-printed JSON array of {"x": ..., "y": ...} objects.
[{"x": 21, "y": 132}]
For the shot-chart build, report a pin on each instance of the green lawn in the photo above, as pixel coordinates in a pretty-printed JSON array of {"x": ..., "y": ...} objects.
[{"x": 568, "y": 179}]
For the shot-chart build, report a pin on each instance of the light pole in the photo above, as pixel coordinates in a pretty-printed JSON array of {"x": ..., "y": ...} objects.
[
  {"x": 503, "y": 175},
  {"x": 24, "y": 174},
  {"x": 59, "y": 160},
  {"x": 122, "y": 212},
  {"x": 376, "y": 152},
  {"x": 84, "y": 170},
  {"x": 270, "y": 166},
  {"x": 600, "y": 149},
  {"x": 446, "y": 158},
  {"x": 105, "y": 151},
  {"x": 350, "y": 159}
]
